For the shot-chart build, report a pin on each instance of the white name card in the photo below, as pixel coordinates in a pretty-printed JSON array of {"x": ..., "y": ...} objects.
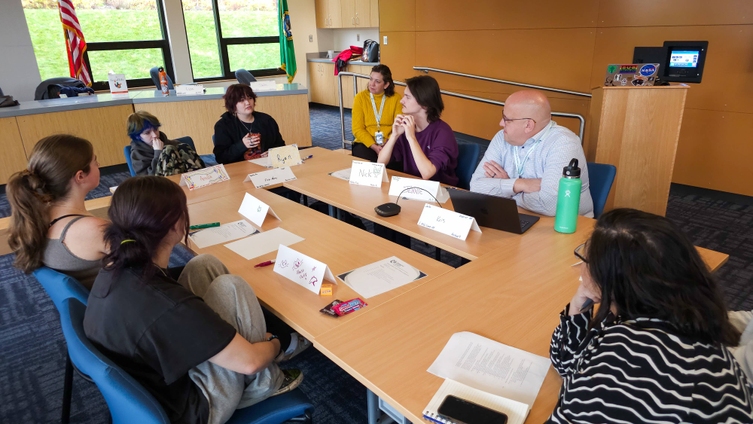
[
  {"x": 271, "y": 177},
  {"x": 204, "y": 177},
  {"x": 266, "y": 85},
  {"x": 117, "y": 83},
  {"x": 411, "y": 188},
  {"x": 255, "y": 210},
  {"x": 447, "y": 222},
  {"x": 302, "y": 269},
  {"x": 283, "y": 156},
  {"x": 189, "y": 90},
  {"x": 368, "y": 174}
]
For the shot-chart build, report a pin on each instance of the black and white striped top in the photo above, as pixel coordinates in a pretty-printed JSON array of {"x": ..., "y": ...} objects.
[{"x": 642, "y": 371}]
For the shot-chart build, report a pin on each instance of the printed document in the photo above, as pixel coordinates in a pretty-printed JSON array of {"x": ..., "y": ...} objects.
[
  {"x": 222, "y": 234},
  {"x": 380, "y": 277}
]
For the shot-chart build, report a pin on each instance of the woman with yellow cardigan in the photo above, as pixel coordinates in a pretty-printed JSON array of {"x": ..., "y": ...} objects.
[{"x": 374, "y": 111}]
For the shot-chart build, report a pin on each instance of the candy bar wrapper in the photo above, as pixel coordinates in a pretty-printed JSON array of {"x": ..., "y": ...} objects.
[
  {"x": 352, "y": 305},
  {"x": 328, "y": 309}
]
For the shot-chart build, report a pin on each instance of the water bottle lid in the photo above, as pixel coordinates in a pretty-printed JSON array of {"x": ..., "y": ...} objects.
[{"x": 571, "y": 170}]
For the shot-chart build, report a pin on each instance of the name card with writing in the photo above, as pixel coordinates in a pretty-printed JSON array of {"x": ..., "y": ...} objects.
[
  {"x": 266, "y": 85},
  {"x": 271, "y": 177},
  {"x": 302, "y": 269},
  {"x": 204, "y": 177},
  {"x": 447, "y": 222},
  {"x": 189, "y": 90},
  {"x": 368, "y": 174},
  {"x": 413, "y": 188},
  {"x": 117, "y": 83},
  {"x": 280, "y": 157},
  {"x": 255, "y": 210}
]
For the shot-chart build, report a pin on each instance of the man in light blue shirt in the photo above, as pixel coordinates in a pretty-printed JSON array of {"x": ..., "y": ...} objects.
[{"x": 524, "y": 161}]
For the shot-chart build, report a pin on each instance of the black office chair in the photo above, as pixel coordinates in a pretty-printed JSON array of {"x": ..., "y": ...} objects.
[
  {"x": 244, "y": 77},
  {"x": 154, "y": 73},
  {"x": 50, "y": 88}
]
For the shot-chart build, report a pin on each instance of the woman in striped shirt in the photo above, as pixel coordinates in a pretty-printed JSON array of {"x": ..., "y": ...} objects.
[{"x": 654, "y": 350}]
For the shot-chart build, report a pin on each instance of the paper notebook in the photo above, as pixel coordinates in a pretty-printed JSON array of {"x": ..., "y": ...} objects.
[{"x": 516, "y": 411}]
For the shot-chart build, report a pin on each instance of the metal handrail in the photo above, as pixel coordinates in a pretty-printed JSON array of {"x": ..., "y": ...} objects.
[
  {"x": 355, "y": 76},
  {"x": 519, "y": 84}
]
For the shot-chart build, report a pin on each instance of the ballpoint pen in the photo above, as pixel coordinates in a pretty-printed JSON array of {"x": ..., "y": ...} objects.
[
  {"x": 202, "y": 226},
  {"x": 308, "y": 157},
  {"x": 265, "y": 263}
]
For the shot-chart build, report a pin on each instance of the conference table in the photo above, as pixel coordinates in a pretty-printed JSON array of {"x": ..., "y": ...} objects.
[{"x": 512, "y": 290}]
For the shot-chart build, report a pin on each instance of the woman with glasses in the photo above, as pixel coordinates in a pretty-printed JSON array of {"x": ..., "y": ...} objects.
[
  {"x": 374, "y": 111},
  {"x": 242, "y": 133},
  {"x": 653, "y": 350},
  {"x": 423, "y": 143}
]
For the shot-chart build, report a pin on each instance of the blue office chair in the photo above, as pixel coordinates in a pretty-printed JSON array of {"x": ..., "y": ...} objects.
[
  {"x": 130, "y": 402},
  {"x": 127, "y": 152},
  {"x": 154, "y": 73},
  {"x": 467, "y": 161},
  {"x": 244, "y": 77},
  {"x": 60, "y": 287},
  {"x": 600, "y": 179}
]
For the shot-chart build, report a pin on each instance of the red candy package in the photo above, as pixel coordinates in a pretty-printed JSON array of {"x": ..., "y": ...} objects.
[{"x": 348, "y": 306}]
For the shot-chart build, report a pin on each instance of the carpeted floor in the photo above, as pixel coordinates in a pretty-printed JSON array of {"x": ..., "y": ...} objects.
[{"x": 32, "y": 349}]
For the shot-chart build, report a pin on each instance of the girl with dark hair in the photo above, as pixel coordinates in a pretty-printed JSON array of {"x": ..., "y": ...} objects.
[
  {"x": 654, "y": 350},
  {"x": 424, "y": 144},
  {"x": 152, "y": 153},
  {"x": 374, "y": 112},
  {"x": 199, "y": 342},
  {"x": 50, "y": 225},
  {"x": 242, "y": 133}
]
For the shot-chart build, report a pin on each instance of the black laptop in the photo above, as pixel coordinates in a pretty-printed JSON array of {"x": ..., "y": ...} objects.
[{"x": 492, "y": 211}]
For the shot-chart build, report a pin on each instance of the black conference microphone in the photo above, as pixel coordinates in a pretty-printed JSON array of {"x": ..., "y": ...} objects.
[{"x": 392, "y": 209}]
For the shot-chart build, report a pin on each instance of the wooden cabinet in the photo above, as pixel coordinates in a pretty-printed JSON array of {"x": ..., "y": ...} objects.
[
  {"x": 356, "y": 13},
  {"x": 328, "y": 14},
  {"x": 374, "y": 13},
  {"x": 323, "y": 83}
]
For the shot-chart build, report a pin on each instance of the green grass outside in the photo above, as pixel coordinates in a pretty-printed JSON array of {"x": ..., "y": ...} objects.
[{"x": 132, "y": 25}]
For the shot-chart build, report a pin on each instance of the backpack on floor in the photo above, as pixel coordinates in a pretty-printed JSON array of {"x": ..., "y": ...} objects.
[{"x": 177, "y": 160}]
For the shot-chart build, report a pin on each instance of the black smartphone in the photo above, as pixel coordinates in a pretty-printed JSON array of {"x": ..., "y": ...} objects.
[{"x": 465, "y": 412}]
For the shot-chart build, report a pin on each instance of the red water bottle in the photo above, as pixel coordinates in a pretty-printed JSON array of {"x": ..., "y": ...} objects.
[{"x": 163, "y": 81}]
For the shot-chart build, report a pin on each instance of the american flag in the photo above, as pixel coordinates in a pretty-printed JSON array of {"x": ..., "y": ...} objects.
[{"x": 74, "y": 42}]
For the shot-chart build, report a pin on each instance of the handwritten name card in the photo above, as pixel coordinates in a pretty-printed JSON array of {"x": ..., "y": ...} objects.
[
  {"x": 447, "y": 222},
  {"x": 271, "y": 177},
  {"x": 117, "y": 83},
  {"x": 414, "y": 188},
  {"x": 189, "y": 90},
  {"x": 255, "y": 210},
  {"x": 301, "y": 269},
  {"x": 280, "y": 157},
  {"x": 367, "y": 174},
  {"x": 204, "y": 177}
]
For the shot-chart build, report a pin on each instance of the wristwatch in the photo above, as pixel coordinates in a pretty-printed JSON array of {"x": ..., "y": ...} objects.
[{"x": 272, "y": 337}]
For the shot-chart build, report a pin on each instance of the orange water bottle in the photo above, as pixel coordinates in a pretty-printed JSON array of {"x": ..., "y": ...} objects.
[{"x": 163, "y": 81}]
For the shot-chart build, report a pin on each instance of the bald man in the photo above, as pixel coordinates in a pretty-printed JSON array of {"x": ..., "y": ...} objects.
[{"x": 524, "y": 161}]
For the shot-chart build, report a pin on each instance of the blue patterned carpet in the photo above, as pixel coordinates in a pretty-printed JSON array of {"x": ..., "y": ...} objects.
[{"x": 32, "y": 349}]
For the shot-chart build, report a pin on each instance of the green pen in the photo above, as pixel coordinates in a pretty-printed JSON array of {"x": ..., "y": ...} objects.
[{"x": 202, "y": 226}]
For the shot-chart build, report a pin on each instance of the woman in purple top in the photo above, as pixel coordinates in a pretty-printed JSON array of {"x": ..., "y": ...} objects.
[{"x": 424, "y": 144}]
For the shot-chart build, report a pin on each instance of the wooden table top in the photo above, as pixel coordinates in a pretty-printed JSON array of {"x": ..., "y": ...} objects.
[{"x": 341, "y": 246}]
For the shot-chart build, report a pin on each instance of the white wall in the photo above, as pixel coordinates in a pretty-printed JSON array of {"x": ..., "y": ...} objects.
[
  {"x": 344, "y": 38},
  {"x": 19, "y": 73}
]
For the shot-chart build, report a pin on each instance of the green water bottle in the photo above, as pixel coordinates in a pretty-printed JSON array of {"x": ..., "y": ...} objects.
[{"x": 568, "y": 199}]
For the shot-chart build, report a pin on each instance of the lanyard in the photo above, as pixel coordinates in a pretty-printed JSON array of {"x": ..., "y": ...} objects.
[
  {"x": 378, "y": 114},
  {"x": 518, "y": 165}
]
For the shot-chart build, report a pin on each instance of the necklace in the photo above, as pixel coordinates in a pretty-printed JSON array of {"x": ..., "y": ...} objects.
[
  {"x": 248, "y": 129},
  {"x": 160, "y": 269}
]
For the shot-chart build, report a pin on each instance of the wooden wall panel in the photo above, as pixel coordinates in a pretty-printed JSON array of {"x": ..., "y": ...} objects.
[
  {"x": 715, "y": 150},
  {"x": 14, "y": 157},
  {"x": 453, "y": 15},
  {"x": 728, "y": 69},
  {"x": 399, "y": 54},
  {"x": 558, "y": 58},
  {"x": 104, "y": 127},
  {"x": 396, "y": 15},
  {"x": 674, "y": 12}
]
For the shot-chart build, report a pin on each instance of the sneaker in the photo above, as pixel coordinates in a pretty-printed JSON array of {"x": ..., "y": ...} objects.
[
  {"x": 293, "y": 379},
  {"x": 298, "y": 344}
]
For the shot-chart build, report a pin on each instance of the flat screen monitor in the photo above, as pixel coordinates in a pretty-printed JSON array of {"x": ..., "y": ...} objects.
[{"x": 685, "y": 60}]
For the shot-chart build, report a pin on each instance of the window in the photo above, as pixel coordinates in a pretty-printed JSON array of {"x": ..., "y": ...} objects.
[
  {"x": 123, "y": 36},
  {"x": 225, "y": 35}
]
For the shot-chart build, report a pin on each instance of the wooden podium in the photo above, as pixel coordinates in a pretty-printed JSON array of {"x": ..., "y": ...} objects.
[{"x": 636, "y": 129}]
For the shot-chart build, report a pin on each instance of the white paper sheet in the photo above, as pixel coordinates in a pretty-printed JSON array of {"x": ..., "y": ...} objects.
[
  {"x": 447, "y": 222},
  {"x": 222, "y": 234},
  {"x": 516, "y": 411},
  {"x": 491, "y": 367},
  {"x": 262, "y": 162},
  {"x": 343, "y": 174},
  {"x": 263, "y": 243},
  {"x": 401, "y": 186},
  {"x": 380, "y": 277},
  {"x": 255, "y": 210},
  {"x": 271, "y": 177}
]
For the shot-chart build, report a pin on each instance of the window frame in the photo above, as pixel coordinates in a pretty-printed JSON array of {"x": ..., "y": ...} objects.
[{"x": 222, "y": 46}]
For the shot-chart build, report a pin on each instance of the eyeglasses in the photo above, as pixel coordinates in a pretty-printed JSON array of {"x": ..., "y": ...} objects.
[
  {"x": 508, "y": 120},
  {"x": 578, "y": 252}
]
